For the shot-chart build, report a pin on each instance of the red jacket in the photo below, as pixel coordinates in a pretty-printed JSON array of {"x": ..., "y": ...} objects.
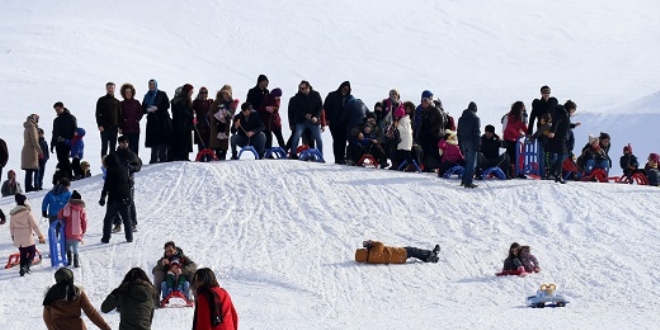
[
  {"x": 271, "y": 120},
  {"x": 229, "y": 316},
  {"x": 513, "y": 128},
  {"x": 75, "y": 217}
]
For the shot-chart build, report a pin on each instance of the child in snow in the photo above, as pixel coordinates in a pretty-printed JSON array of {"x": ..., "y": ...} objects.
[
  {"x": 39, "y": 177},
  {"x": 529, "y": 260},
  {"x": 55, "y": 200},
  {"x": 11, "y": 187},
  {"x": 175, "y": 280},
  {"x": 629, "y": 163},
  {"x": 22, "y": 225},
  {"x": 85, "y": 167},
  {"x": 366, "y": 141},
  {"x": 652, "y": 171},
  {"x": 75, "y": 218},
  {"x": 512, "y": 264},
  {"x": 594, "y": 157},
  {"x": 450, "y": 152},
  {"x": 374, "y": 252},
  {"x": 77, "y": 152}
]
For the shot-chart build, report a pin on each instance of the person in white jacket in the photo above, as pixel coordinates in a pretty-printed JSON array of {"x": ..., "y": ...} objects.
[{"x": 403, "y": 113}]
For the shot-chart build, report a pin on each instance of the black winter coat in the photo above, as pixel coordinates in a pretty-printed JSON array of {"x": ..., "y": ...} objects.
[
  {"x": 108, "y": 112},
  {"x": 129, "y": 161},
  {"x": 135, "y": 303},
  {"x": 117, "y": 185},
  {"x": 629, "y": 160},
  {"x": 4, "y": 153},
  {"x": 491, "y": 147},
  {"x": 468, "y": 130},
  {"x": 561, "y": 125},
  {"x": 256, "y": 96},
  {"x": 251, "y": 123},
  {"x": 159, "y": 123},
  {"x": 301, "y": 105},
  {"x": 64, "y": 125},
  {"x": 334, "y": 106},
  {"x": 539, "y": 107}
]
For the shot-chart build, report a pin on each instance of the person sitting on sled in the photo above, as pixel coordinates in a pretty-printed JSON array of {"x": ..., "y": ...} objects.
[
  {"x": 374, "y": 252},
  {"x": 175, "y": 280},
  {"x": 187, "y": 266},
  {"x": 512, "y": 264},
  {"x": 528, "y": 260}
]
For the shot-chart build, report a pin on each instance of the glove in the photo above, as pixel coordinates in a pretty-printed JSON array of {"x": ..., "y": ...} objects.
[
  {"x": 102, "y": 202},
  {"x": 44, "y": 214},
  {"x": 152, "y": 108},
  {"x": 42, "y": 240}
]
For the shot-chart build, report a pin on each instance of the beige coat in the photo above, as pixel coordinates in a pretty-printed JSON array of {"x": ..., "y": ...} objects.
[
  {"x": 214, "y": 143},
  {"x": 31, "y": 148},
  {"x": 21, "y": 226},
  {"x": 64, "y": 315}
]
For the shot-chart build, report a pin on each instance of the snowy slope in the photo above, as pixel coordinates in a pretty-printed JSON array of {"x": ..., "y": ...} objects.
[{"x": 281, "y": 235}]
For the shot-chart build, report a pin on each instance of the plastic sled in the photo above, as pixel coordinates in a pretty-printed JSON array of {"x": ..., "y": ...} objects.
[
  {"x": 546, "y": 297},
  {"x": 250, "y": 149},
  {"x": 527, "y": 159},
  {"x": 15, "y": 259},
  {"x": 367, "y": 159},
  {"x": 494, "y": 172},
  {"x": 405, "y": 162},
  {"x": 311, "y": 154},
  {"x": 57, "y": 247},
  {"x": 206, "y": 155},
  {"x": 178, "y": 296},
  {"x": 510, "y": 272},
  {"x": 458, "y": 170},
  {"x": 637, "y": 177},
  {"x": 275, "y": 153}
]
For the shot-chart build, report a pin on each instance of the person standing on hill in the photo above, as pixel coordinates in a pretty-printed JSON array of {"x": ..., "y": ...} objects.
[
  {"x": 4, "y": 155},
  {"x": 31, "y": 152},
  {"x": 469, "y": 140},
  {"x": 221, "y": 112},
  {"x": 513, "y": 131},
  {"x": 159, "y": 123},
  {"x": 558, "y": 138},
  {"x": 118, "y": 189},
  {"x": 108, "y": 116},
  {"x": 22, "y": 225},
  {"x": 334, "y": 111},
  {"x": 201, "y": 106},
  {"x": 131, "y": 114},
  {"x": 132, "y": 164},
  {"x": 258, "y": 93},
  {"x": 39, "y": 178},
  {"x": 305, "y": 110},
  {"x": 182, "y": 123},
  {"x": 545, "y": 104},
  {"x": 64, "y": 127},
  {"x": 270, "y": 116}
]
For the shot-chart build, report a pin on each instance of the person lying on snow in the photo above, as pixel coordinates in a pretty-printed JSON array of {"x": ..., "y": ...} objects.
[{"x": 374, "y": 252}]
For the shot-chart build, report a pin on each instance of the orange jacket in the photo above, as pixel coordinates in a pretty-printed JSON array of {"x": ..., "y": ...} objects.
[{"x": 381, "y": 254}]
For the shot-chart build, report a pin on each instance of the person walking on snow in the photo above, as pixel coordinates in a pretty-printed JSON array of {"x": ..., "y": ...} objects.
[
  {"x": 132, "y": 164},
  {"x": 55, "y": 200},
  {"x": 469, "y": 140},
  {"x": 375, "y": 252},
  {"x": 75, "y": 218},
  {"x": 22, "y": 225},
  {"x": 64, "y": 127},
  {"x": 118, "y": 190}
]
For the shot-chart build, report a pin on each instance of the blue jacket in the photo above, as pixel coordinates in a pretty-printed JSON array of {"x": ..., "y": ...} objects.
[
  {"x": 469, "y": 128},
  {"x": 78, "y": 146},
  {"x": 55, "y": 200}
]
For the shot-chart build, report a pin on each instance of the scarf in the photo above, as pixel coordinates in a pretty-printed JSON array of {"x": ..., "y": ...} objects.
[
  {"x": 150, "y": 97},
  {"x": 215, "y": 306}
]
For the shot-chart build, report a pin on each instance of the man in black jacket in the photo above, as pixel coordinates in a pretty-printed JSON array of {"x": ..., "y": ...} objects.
[
  {"x": 117, "y": 188},
  {"x": 248, "y": 129},
  {"x": 305, "y": 113},
  {"x": 4, "y": 155},
  {"x": 334, "y": 111},
  {"x": 257, "y": 94},
  {"x": 540, "y": 107},
  {"x": 132, "y": 164},
  {"x": 490, "y": 152},
  {"x": 469, "y": 140},
  {"x": 108, "y": 114},
  {"x": 64, "y": 126},
  {"x": 558, "y": 137}
]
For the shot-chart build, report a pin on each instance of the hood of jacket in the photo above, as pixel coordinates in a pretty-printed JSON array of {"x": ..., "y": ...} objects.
[{"x": 19, "y": 209}]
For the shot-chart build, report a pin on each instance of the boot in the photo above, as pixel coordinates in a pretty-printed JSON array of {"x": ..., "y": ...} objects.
[
  {"x": 135, "y": 227},
  {"x": 76, "y": 261},
  {"x": 68, "y": 258},
  {"x": 234, "y": 155},
  {"x": 116, "y": 228}
]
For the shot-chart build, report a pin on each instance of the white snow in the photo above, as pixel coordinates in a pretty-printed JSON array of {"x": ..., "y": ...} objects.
[{"x": 281, "y": 234}]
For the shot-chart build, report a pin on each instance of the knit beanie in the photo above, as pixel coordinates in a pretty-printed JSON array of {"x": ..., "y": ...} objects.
[
  {"x": 75, "y": 195},
  {"x": 20, "y": 199},
  {"x": 277, "y": 92},
  {"x": 490, "y": 128},
  {"x": 427, "y": 94},
  {"x": 604, "y": 136},
  {"x": 399, "y": 112}
]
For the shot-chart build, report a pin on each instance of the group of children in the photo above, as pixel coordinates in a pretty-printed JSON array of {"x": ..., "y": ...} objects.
[{"x": 630, "y": 166}]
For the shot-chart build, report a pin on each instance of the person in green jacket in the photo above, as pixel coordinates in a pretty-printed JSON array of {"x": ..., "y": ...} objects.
[{"x": 134, "y": 300}]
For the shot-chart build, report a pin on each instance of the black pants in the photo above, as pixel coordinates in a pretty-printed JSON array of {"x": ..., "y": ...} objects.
[
  {"x": 29, "y": 179},
  {"x": 63, "y": 163},
  {"x": 278, "y": 136},
  {"x": 413, "y": 252},
  {"x": 339, "y": 137},
  {"x": 356, "y": 151},
  {"x": 511, "y": 151},
  {"x": 158, "y": 154},
  {"x": 112, "y": 211},
  {"x": 118, "y": 220},
  {"x": 27, "y": 255},
  {"x": 484, "y": 163},
  {"x": 77, "y": 170},
  {"x": 39, "y": 179},
  {"x": 108, "y": 138},
  {"x": 133, "y": 141},
  {"x": 447, "y": 165}
]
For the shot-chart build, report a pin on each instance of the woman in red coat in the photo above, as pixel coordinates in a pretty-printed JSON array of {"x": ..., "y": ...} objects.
[
  {"x": 213, "y": 307},
  {"x": 514, "y": 129}
]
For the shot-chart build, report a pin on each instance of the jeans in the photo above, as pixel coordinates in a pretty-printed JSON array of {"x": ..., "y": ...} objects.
[
  {"x": 29, "y": 179},
  {"x": 557, "y": 163},
  {"x": 316, "y": 134},
  {"x": 470, "y": 154},
  {"x": 113, "y": 210},
  {"x": 541, "y": 158},
  {"x": 108, "y": 138},
  {"x": 413, "y": 252},
  {"x": 257, "y": 141},
  {"x": 72, "y": 246},
  {"x": 592, "y": 164}
]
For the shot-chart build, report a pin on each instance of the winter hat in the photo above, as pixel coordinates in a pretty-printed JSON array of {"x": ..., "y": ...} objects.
[
  {"x": 122, "y": 138},
  {"x": 604, "y": 136},
  {"x": 20, "y": 199},
  {"x": 186, "y": 89},
  {"x": 75, "y": 195},
  {"x": 627, "y": 148},
  {"x": 277, "y": 92},
  {"x": 655, "y": 157},
  {"x": 34, "y": 117},
  {"x": 175, "y": 262},
  {"x": 177, "y": 91},
  {"x": 490, "y": 128},
  {"x": 262, "y": 77},
  {"x": 592, "y": 139},
  {"x": 545, "y": 88},
  {"x": 472, "y": 107},
  {"x": 371, "y": 115},
  {"x": 427, "y": 94},
  {"x": 399, "y": 112},
  {"x": 394, "y": 91}
]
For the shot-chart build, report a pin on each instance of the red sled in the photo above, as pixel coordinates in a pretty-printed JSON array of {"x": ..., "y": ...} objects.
[
  {"x": 206, "y": 155},
  {"x": 511, "y": 272},
  {"x": 178, "y": 295},
  {"x": 15, "y": 259}
]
